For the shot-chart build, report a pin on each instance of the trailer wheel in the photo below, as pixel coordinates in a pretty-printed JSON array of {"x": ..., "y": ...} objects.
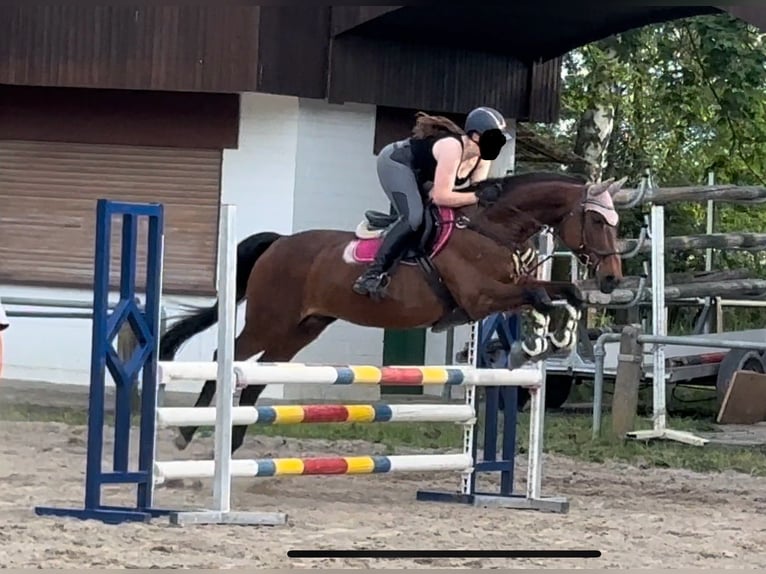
[
  {"x": 557, "y": 390},
  {"x": 737, "y": 360}
]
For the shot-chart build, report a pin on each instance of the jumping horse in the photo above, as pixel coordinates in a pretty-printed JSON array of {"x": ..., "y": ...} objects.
[{"x": 469, "y": 263}]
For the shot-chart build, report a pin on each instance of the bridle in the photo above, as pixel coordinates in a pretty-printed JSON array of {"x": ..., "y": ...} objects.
[{"x": 587, "y": 256}]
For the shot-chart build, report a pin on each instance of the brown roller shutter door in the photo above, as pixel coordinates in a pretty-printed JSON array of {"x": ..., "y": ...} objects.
[{"x": 48, "y": 194}]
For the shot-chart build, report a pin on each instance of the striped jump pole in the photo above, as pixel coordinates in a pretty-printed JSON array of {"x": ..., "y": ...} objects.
[
  {"x": 176, "y": 469},
  {"x": 312, "y": 414},
  {"x": 254, "y": 373}
]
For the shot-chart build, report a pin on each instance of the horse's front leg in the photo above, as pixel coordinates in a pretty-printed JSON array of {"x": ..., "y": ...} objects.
[
  {"x": 558, "y": 290},
  {"x": 538, "y": 342},
  {"x": 497, "y": 297},
  {"x": 565, "y": 337}
]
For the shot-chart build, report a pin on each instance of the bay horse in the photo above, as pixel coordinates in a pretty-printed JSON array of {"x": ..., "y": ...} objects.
[{"x": 465, "y": 269}]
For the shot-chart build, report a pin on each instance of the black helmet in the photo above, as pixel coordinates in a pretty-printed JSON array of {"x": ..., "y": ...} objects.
[{"x": 492, "y": 129}]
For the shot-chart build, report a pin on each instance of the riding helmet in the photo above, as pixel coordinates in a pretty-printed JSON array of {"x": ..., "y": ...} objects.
[{"x": 492, "y": 129}]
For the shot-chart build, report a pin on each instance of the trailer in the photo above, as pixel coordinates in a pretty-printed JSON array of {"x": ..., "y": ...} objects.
[{"x": 684, "y": 364}]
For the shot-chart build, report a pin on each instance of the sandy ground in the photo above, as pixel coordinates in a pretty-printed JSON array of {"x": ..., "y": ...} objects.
[{"x": 636, "y": 517}]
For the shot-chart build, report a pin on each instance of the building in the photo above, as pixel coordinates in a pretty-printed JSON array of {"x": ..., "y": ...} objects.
[{"x": 279, "y": 110}]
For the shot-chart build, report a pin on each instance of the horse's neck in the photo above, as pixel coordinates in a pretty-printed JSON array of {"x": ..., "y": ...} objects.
[{"x": 531, "y": 210}]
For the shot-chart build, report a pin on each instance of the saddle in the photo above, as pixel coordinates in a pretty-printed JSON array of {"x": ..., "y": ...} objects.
[{"x": 431, "y": 236}]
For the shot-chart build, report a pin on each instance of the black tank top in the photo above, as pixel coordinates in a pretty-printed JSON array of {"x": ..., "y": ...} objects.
[{"x": 424, "y": 162}]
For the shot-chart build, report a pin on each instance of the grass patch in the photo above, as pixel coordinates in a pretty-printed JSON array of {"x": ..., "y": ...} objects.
[
  {"x": 570, "y": 435},
  {"x": 565, "y": 434},
  {"x": 45, "y": 414}
]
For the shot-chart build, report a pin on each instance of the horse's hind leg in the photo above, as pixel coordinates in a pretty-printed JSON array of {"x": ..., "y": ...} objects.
[
  {"x": 278, "y": 348},
  {"x": 245, "y": 346}
]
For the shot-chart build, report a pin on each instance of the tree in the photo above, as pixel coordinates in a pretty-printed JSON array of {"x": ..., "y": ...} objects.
[{"x": 682, "y": 98}]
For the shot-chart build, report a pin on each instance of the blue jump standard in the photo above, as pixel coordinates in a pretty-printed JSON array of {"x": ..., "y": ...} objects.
[
  {"x": 496, "y": 399},
  {"x": 145, "y": 323}
]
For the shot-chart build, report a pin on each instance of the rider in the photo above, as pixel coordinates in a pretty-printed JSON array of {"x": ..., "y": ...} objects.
[{"x": 440, "y": 156}]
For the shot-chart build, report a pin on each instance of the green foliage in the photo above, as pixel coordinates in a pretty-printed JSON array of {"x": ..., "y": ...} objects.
[{"x": 689, "y": 98}]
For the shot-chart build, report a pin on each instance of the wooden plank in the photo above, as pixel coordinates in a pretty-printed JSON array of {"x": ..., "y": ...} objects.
[
  {"x": 629, "y": 373},
  {"x": 745, "y": 399},
  {"x": 681, "y": 278},
  {"x": 744, "y": 288},
  {"x": 744, "y": 241},
  {"x": 665, "y": 195}
]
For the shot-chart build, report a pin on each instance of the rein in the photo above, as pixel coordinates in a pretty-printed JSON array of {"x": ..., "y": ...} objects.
[{"x": 462, "y": 221}]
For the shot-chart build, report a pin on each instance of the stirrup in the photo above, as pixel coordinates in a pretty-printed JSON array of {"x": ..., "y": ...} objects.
[
  {"x": 373, "y": 284},
  {"x": 369, "y": 277}
]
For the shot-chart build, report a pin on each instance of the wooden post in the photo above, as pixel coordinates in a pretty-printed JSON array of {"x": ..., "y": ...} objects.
[{"x": 629, "y": 374}]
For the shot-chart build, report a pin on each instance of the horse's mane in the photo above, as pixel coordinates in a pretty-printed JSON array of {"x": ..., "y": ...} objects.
[{"x": 509, "y": 183}]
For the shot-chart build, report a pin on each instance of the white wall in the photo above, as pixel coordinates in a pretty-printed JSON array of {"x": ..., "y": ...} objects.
[
  {"x": 335, "y": 182},
  {"x": 259, "y": 178}
]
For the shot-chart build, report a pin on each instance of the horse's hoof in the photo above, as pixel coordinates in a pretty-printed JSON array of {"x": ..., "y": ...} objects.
[
  {"x": 180, "y": 442},
  {"x": 539, "y": 320}
]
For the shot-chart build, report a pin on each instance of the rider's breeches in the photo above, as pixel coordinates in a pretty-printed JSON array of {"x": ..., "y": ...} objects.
[{"x": 399, "y": 183}]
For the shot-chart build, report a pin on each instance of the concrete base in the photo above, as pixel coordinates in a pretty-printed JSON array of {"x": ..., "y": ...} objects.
[
  {"x": 554, "y": 504},
  {"x": 557, "y": 505},
  {"x": 236, "y": 518}
]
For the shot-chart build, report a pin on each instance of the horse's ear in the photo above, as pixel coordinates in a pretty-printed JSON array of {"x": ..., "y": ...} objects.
[
  {"x": 617, "y": 186},
  {"x": 595, "y": 189}
]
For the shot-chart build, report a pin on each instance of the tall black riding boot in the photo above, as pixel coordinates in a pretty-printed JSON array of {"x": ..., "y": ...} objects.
[{"x": 375, "y": 279}]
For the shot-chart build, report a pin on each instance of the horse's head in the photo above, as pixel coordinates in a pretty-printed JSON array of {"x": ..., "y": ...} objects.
[
  {"x": 589, "y": 230},
  {"x": 582, "y": 214}
]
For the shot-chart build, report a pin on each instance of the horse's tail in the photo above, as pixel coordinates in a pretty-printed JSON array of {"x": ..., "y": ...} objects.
[{"x": 248, "y": 252}]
